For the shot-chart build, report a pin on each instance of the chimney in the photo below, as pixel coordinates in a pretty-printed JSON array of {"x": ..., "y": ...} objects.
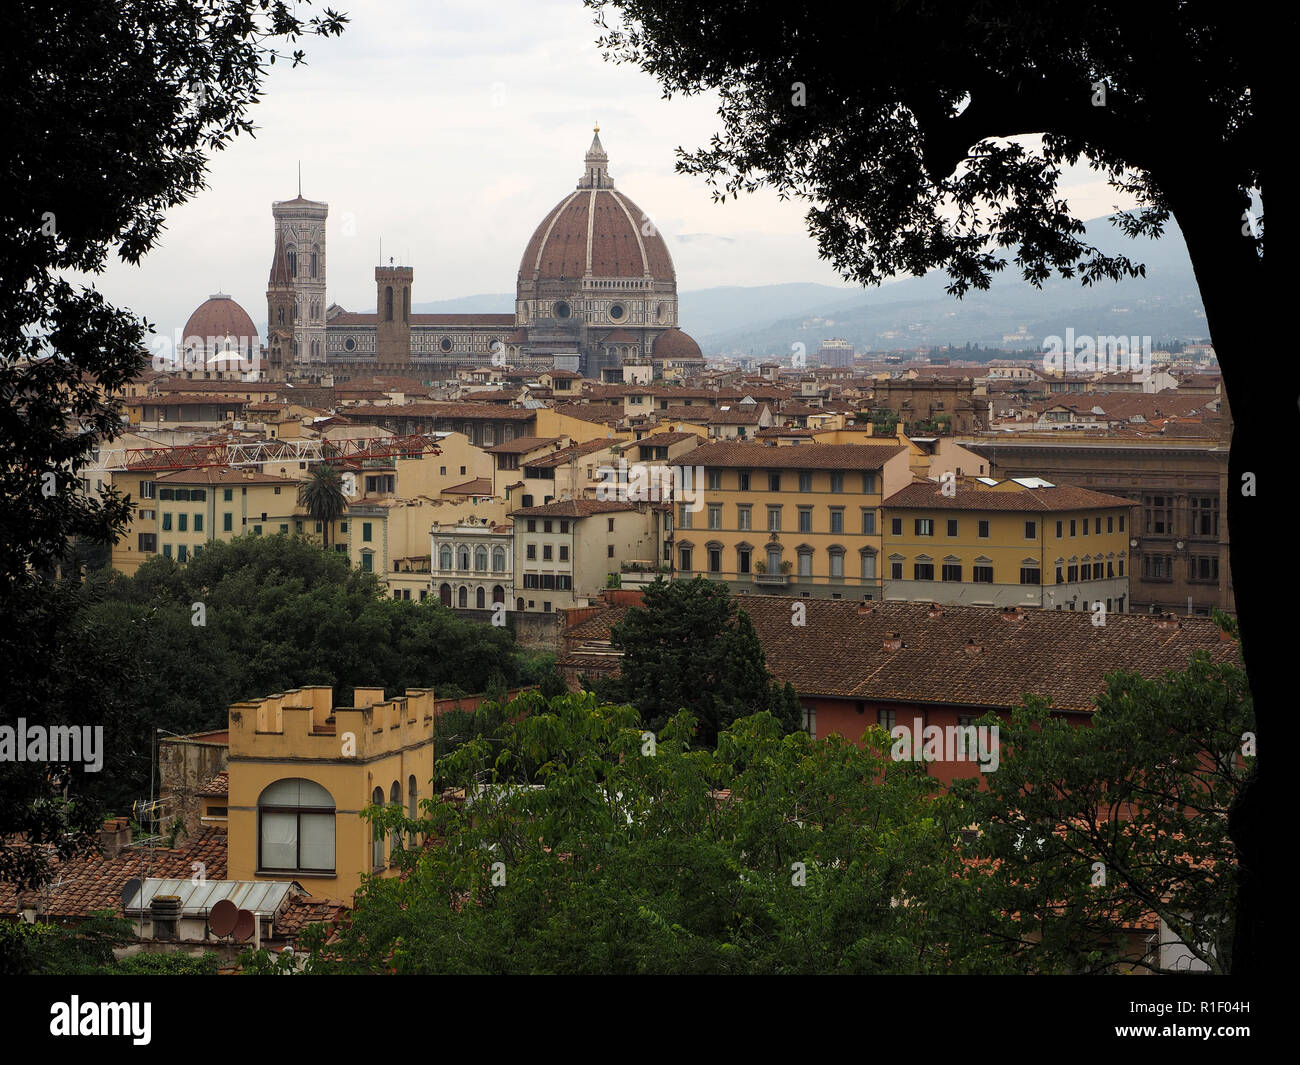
[
  {"x": 1168, "y": 623},
  {"x": 893, "y": 642},
  {"x": 1012, "y": 613},
  {"x": 935, "y": 611},
  {"x": 114, "y": 836},
  {"x": 972, "y": 648},
  {"x": 165, "y": 913}
]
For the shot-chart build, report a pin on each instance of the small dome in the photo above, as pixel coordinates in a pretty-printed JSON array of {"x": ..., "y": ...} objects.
[
  {"x": 219, "y": 316},
  {"x": 674, "y": 344}
]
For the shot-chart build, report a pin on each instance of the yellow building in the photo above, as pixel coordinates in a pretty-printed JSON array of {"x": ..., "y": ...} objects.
[
  {"x": 178, "y": 512},
  {"x": 1021, "y": 542},
  {"x": 789, "y": 520},
  {"x": 301, "y": 771}
]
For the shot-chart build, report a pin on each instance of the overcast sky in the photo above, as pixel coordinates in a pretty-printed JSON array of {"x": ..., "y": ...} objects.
[{"x": 448, "y": 130}]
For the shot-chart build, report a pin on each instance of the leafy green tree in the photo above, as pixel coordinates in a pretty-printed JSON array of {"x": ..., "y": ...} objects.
[
  {"x": 772, "y": 853},
  {"x": 946, "y": 151},
  {"x": 1089, "y": 832},
  {"x": 322, "y": 495},
  {"x": 114, "y": 110},
  {"x": 690, "y": 646}
]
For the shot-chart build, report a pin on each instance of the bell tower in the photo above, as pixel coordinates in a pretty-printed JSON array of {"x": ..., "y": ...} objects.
[
  {"x": 281, "y": 310},
  {"x": 393, "y": 302}
]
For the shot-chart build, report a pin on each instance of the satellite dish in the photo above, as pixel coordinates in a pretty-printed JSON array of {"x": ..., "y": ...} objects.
[
  {"x": 245, "y": 924},
  {"x": 129, "y": 889},
  {"x": 223, "y": 917}
]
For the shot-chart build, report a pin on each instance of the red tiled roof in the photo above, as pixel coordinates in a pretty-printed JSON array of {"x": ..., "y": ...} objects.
[
  {"x": 217, "y": 787},
  {"x": 573, "y": 508},
  {"x": 568, "y": 454},
  {"x": 480, "y": 486},
  {"x": 976, "y": 496},
  {"x": 521, "y": 444}
]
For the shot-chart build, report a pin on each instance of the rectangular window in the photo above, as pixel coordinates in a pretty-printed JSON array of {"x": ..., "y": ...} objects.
[
  {"x": 1203, "y": 568},
  {"x": 1031, "y": 529},
  {"x": 886, "y": 719},
  {"x": 952, "y": 526},
  {"x": 715, "y": 560},
  {"x": 1074, "y": 527},
  {"x": 837, "y": 566},
  {"x": 805, "y": 519},
  {"x": 1030, "y": 575},
  {"x": 805, "y": 482},
  {"x": 166, "y": 493},
  {"x": 546, "y": 526},
  {"x": 743, "y": 559},
  {"x": 896, "y": 571},
  {"x": 837, "y": 519},
  {"x": 923, "y": 571},
  {"x": 182, "y": 522},
  {"x": 685, "y": 560},
  {"x": 1121, "y": 523},
  {"x": 530, "y": 552},
  {"x": 715, "y": 515},
  {"x": 715, "y": 480},
  {"x": 367, "y": 561},
  {"x": 367, "y": 532},
  {"x": 805, "y": 563},
  {"x": 198, "y": 522},
  {"x": 1072, "y": 573},
  {"x": 147, "y": 489},
  {"x": 684, "y": 519},
  {"x": 868, "y": 484},
  {"x": 868, "y": 566},
  {"x": 564, "y": 526},
  {"x": 167, "y": 550},
  {"x": 774, "y": 482},
  {"x": 1085, "y": 526},
  {"x": 167, "y": 521},
  {"x": 564, "y": 552},
  {"x": 923, "y": 527},
  {"x": 1058, "y": 530},
  {"x": 952, "y": 571},
  {"x": 257, "y": 531},
  {"x": 742, "y": 480},
  {"x": 1158, "y": 567},
  {"x": 610, "y": 525},
  {"x": 1110, "y": 524},
  {"x": 227, "y": 522},
  {"x": 744, "y": 518},
  {"x": 532, "y": 525},
  {"x": 546, "y": 553},
  {"x": 227, "y": 494},
  {"x": 982, "y": 574},
  {"x": 1205, "y": 516},
  {"x": 182, "y": 553},
  {"x": 896, "y": 526},
  {"x": 609, "y": 551},
  {"x": 773, "y": 519},
  {"x": 868, "y": 523},
  {"x": 148, "y": 542},
  {"x": 983, "y": 529},
  {"x": 837, "y": 482},
  {"x": 1158, "y": 514}
]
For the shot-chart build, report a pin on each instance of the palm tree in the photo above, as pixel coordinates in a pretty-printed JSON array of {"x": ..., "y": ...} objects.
[{"x": 322, "y": 495}]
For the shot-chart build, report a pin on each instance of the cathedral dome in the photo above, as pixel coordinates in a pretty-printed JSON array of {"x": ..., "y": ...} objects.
[
  {"x": 674, "y": 344},
  {"x": 219, "y": 316},
  {"x": 596, "y": 232}
]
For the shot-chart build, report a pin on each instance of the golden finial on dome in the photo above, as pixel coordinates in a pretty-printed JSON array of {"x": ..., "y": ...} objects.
[{"x": 595, "y": 128}]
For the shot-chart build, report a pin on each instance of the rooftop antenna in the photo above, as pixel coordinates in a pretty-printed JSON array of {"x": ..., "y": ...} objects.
[{"x": 300, "y": 179}]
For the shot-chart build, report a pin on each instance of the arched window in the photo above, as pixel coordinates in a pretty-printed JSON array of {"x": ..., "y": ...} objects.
[
  {"x": 395, "y": 799},
  {"x": 519, "y": 606},
  {"x": 480, "y": 558},
  {"x": 293, "y": 262},
  {"x": 279, "y": 316},
  {"x": 463, "y": 561},
  {"x": 498, "y": 561},
  {"x": 444, "y": 556},
  {"x": 377, "y": 834},
  {"x": 462, "y": 596},
  {"x": 412, "y": 803},
  {"x": 295, "y": 827},
  {"x": 315, "y": 255},
  {"x": 498, "y": 595},
  {"x": 388, "y": 303},
  {"x": 444, "y": 594}
]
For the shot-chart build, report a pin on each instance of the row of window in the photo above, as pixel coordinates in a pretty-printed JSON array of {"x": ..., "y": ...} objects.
[
  {"x": 926, "y": 527},
  {"x": 745, "y": 480},
  {"x": 461, "y": 556},
  {"x": 982, "y": 573},
  {"x": 1200, "y": 568},
  {"x": 745, "y": 519},
  {"x": 561, "y": 582},
  {"x": 772, "y": 564},
  {"x": 1158, "y": 515},
  {"x": 548, "y": 525},
  {"x": 530, "y": 552}
]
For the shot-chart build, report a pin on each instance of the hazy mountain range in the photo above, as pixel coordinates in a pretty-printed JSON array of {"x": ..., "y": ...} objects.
[{"x": 769, "y": 319}]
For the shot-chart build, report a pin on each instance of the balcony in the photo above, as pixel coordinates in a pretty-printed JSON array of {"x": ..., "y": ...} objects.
[{"x": 779, "y": 579}]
